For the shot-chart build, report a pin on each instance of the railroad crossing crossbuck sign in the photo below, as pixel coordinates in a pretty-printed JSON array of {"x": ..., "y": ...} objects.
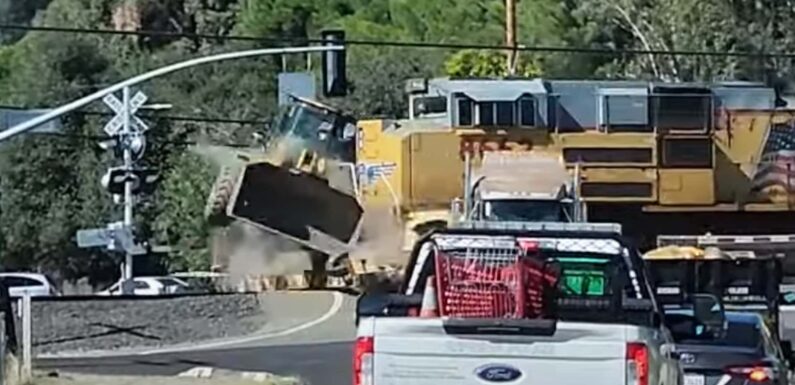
[{"x": 115, "y": 125}]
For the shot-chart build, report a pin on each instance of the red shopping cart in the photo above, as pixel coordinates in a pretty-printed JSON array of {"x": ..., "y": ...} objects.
[{"x": 494, "y": 283}]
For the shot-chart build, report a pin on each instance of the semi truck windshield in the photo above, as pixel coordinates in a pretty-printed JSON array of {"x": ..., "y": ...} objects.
[{"x": 525, "y": 210}]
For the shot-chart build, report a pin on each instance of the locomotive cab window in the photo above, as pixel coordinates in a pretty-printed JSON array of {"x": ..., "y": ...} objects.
[
  {"x": 486, "y": 114},
  {"x": 501, "y": 114},
  {"x": 430, "y": 105},
  {"x": 527, "y": 112},
  {"x": 682, "y": 109},
  {"x": 465, "y": 108},
  {"x": 504, "y": 113}
]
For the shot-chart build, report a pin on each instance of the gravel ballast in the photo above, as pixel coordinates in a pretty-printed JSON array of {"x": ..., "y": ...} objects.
[{"x": 75, "y": 326}]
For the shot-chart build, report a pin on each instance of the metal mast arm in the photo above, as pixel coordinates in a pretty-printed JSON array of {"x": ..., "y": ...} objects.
[{"x": 82, "y": 102}]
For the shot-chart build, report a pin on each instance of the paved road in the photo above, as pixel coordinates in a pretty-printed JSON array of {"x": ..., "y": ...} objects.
[
  {"x": 319, "y": 363},
  {"x": 310, "y": 338},
  {"x": 320, "y": 354}
]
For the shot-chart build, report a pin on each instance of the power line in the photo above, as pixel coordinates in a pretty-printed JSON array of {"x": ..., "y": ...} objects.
[
  {"x": 100, "y": 138},
  {"x": 173, "y": 118},
  {"x": 191, "y": 119},
  {"x": 405, "y": 44}
]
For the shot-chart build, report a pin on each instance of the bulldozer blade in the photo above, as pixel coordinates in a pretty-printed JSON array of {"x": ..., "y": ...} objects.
[{"x": 297, "y": 206}]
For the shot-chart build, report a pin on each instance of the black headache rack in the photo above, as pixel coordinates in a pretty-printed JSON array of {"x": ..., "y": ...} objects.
[
  {"x": 741, "y": 283},
  {"x": 419, "y": 258}
]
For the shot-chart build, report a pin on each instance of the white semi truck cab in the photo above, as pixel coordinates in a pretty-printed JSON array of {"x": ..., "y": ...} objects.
[{"x": 520, "y": 187}]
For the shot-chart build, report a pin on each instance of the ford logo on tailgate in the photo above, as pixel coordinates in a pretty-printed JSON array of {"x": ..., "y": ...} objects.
[{"x": 498, "y": 373}]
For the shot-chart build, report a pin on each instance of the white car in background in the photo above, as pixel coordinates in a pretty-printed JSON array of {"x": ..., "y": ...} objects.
[
  {"x": 151, "y": 286},
  {"x": 19, "y": 284}
]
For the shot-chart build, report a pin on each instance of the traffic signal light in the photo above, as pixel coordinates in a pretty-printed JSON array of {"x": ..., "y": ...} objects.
[
  {"x": 335, "y": 82},
  {"x": 144, "y": 180}
]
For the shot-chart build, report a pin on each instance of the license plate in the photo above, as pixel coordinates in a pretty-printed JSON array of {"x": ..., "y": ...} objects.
[{"x": 694, "y": 379}]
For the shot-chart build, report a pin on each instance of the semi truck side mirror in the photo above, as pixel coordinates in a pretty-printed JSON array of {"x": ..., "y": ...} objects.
[{"x": 457, "y": 208}]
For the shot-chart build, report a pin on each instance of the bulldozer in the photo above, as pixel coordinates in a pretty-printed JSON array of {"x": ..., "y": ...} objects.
[{"x": 300, "y": 188}]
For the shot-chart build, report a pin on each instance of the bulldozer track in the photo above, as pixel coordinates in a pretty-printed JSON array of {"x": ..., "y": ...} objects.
[{"x": 220, "y": 195}]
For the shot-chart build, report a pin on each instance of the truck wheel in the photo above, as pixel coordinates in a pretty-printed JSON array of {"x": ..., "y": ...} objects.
[{"x": 220, "y": 195}]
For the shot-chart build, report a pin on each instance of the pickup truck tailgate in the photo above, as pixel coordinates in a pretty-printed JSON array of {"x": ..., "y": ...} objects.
[{"x": 421, "y": 352}]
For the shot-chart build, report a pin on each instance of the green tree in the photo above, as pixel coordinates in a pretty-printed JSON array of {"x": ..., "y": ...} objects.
[
  {"x": 18, "y": 12},
  {"x": 180, "y": 221},
  {"x": 689, "y": 25},
  {"x": 469, "y": 63}
]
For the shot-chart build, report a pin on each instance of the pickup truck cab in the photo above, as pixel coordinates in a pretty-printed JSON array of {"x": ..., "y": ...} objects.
[{"x": 601, "y": 323}]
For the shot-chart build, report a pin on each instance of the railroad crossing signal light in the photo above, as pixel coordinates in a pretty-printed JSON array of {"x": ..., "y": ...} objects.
[
  {"x": 135, "y": 142},
  {"x": 144, "y": 180},
  {"x": 335, "y": 82}
]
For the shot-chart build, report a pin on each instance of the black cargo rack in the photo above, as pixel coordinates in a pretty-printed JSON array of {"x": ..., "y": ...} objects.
[{"x": 740, "y": 283}]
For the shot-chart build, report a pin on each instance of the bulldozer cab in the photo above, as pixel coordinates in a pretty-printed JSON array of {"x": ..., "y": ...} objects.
[
  {"x": 303, "y": 189},
  {"x": 306, "y": 126}
]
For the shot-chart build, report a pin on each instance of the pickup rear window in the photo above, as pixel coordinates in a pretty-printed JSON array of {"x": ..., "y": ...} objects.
[
  {"x": 737, "y": 334},
  {"x": 583, "y": 276}
]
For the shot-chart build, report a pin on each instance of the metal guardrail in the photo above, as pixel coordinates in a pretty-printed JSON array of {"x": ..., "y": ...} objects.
[{"x": 67, "y": 298}]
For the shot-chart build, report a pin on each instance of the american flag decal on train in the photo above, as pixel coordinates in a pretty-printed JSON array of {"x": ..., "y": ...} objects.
[{"x": 776, "y": 171}]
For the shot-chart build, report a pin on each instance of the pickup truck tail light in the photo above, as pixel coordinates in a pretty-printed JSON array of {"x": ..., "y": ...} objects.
[
  {"x": 752, "y": 373},
  {"x": 363, "y": 361},
  {"x": 637, "y": 364}
]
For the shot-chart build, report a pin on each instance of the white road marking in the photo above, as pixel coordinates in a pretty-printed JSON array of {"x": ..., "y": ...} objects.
[
  {"x": 335, "y": 307},
  {"x": 198, "y": 372},
  {"x": 257, "y": 376}
]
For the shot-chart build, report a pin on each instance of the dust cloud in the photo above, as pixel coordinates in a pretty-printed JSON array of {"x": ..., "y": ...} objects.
[
  {"x": 255, "y": 252},
  {"x": 381, "y": 240}
]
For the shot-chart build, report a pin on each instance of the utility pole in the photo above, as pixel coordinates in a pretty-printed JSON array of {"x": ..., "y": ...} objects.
[{"x": 510, "y": 35}]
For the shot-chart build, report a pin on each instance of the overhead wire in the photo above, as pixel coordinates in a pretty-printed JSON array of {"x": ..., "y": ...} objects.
[
  {"x": 101, "y": 138},
  {"x": 173, "y": 118},
  {"x": 154, "y": 117},
  {"x": 406, "y": 44}
]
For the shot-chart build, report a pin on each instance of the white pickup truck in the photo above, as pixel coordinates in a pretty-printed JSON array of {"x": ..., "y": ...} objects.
[{"x": 606, "y": 327}]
